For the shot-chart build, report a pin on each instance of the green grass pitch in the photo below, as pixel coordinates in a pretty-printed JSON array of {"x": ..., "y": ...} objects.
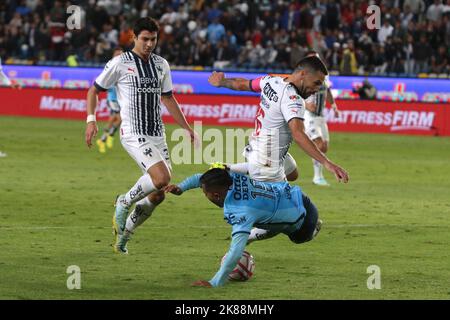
[{"x": 56, "y": 204}]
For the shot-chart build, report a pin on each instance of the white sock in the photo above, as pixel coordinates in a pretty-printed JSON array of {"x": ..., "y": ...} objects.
[
  {"x": 239, "y": 167},
  {"x": 140, "y": 190},
  {"x": 260, "y": 234},
  {"x": 141, "y": 212},
  {"x": 317, "y": 169}
]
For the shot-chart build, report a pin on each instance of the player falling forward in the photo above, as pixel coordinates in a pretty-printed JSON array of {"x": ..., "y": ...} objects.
[
  {"x": 315, "y": 124},
  {"x": 256, "y": 210},
  {"x": 280, "y": 120},
  {"x": 142, "y": 80},
  {"x": 114, "y": 120}
]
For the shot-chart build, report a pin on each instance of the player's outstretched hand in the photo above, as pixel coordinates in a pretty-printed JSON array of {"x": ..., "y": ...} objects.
[
  {"x": 91, "y": 132},
  {"x": 216, "y": 78},
  {"x": 174, "y": 189},
  {"x": 202, "y": 283},
  {"x": 340, "y": 174}
]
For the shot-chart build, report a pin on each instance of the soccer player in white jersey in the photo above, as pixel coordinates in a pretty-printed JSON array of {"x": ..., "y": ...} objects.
[
  {"x": 4, "y": 80},
  {"x": 142, "y": 80},
  {"x": 315, "y": 124},
  {"x": 280, "y": 120}
]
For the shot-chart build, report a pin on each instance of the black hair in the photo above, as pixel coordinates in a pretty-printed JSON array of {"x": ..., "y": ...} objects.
[
  {"x": 146, "y": 23},
  {"x": 216, "y": 178},
  {"x": 313, "y": 63},
  {"x": 311, "y": 52}
]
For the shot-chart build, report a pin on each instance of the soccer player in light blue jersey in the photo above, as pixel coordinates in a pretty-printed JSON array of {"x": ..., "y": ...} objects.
[{"x": 251, "y": 206}]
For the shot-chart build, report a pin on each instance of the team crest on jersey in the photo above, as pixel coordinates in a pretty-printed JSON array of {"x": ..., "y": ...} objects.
[
  {"x": 148, "y": 152},
  {"x": 294, "y": 97}
]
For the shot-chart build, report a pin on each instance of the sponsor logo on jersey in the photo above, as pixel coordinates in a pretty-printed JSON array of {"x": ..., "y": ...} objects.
[
  {"x": 149, "y": 90},
  {"x": 270, "y": 93},
  {"x": 147, "y": 80}
]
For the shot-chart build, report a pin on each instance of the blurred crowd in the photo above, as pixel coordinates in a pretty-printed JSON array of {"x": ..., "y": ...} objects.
[{"x": 413, "y": 38}]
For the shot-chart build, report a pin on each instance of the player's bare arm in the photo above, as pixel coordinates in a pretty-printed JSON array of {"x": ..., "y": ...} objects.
[
  {"x": 301, "y": 138},
  {"x": 91, "y": 127},
  {"x": 217, "y": 79},
  {"x": 174, "y": 109},
  {"x": 332, "y": 102}
]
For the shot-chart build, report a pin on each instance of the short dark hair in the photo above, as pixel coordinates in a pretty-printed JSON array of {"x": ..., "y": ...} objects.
[
  {"x": 146, "y": 23},
  {"x": 313, "y": 63},
  {"x": 216, "y": 177},
  {"x": 311, "y": 52}
]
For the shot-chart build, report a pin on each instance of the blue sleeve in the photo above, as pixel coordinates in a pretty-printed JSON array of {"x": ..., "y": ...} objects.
[
  {"x": 237, "y": 247},
  {"x": 190, "y": 182}
]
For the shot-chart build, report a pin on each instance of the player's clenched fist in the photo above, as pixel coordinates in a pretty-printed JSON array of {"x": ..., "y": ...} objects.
[
  {"x": 216, "y": 78},
  {"x": 91, "y": 132}
]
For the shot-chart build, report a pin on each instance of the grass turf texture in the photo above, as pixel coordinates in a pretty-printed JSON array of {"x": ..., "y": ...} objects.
[{"x": 56, "y": 204}]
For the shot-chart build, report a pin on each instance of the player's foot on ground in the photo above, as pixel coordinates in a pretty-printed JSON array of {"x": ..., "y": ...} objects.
[
  {"x": 110, "y": 142},
  {"x": 121, "y": 243},
  {"x": 321, "y": 182},
  {"x": 120, "y": 214},
  {"x": 101, "y": 146},
  {"x": 318, "y": 227},
  {"x": 3, "y": 155}
]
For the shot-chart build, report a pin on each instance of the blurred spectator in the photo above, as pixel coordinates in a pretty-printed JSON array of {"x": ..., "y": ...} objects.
[
  {"x": 215, "y": 31},
  {"x": 434, "y": 12},
  {"x": 366, "y": 91},
  {"x": 385, "y": 30},
  {"x": 440, "y": 63},
  {"x": 422, "y": 51},
  {"x": 348, "y": 63},
  {"x": 416, "y": 6}
]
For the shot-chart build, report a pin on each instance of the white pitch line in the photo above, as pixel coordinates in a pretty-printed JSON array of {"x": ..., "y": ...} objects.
[{"x": 325, "y": 226}]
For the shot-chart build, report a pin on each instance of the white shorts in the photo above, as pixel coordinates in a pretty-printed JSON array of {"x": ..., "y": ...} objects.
[
  {"x": 316, "y": 127},
  {"x": 146, "y": 150},
  {"x": 274, "y": 173}
]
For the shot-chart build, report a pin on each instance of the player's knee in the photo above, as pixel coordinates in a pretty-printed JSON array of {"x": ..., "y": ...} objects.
[
  {"x": 292, "y": 176},
  {"x": 324, "y": 147},
  {"x": 161, "y": 181},
  {"x": 156, "y": 197}
]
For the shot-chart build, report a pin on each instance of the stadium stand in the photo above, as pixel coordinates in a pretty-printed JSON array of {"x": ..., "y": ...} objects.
[{"x": 414, "y": 38}]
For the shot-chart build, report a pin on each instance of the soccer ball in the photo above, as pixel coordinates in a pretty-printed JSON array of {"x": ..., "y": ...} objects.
[{"x": 244, "y": 269}]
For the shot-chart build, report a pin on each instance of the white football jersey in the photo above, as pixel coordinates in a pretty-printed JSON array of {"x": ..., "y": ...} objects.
[
  {"x": 139, "y": 85},
  {"x": 280, "y": 102}
]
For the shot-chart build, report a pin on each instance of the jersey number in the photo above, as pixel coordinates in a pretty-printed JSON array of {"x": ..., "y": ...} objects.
[{"x": 258, "y": 121}]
